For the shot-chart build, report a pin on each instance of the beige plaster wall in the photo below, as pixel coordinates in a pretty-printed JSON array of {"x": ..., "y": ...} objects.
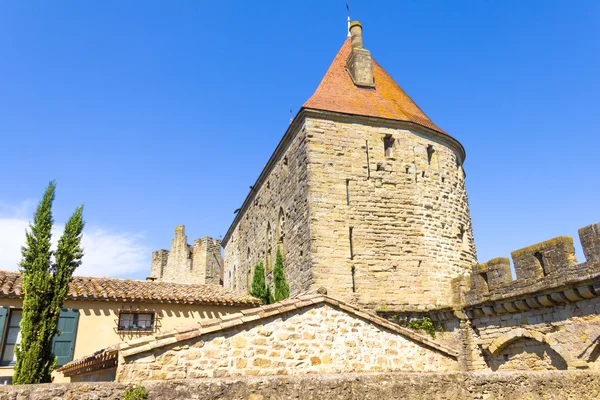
[{"x": 97, "y": 326}]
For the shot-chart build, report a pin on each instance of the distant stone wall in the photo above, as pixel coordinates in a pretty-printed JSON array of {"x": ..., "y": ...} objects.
[
  {"x": 200, "y": 263},
  {"x": 321, "y": 339},
  {"x": 555, "y": 385}
]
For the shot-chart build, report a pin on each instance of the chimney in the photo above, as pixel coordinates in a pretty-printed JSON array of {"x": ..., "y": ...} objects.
[{"x": 359, "y": 63}]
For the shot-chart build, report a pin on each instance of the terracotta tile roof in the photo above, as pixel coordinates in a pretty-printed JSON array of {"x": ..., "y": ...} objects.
[
  {"x": 337, "y": 93},
  {"x": 114, "y": 289},
  {"x": 102, "y": 359}
]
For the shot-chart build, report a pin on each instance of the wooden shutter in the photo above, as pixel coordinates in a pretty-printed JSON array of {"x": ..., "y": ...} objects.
[
  {"x": 3, "y": 317},
  {"x": 63, "y": 342}
]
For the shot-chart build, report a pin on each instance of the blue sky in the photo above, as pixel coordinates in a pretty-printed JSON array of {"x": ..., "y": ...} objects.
[{"x": 155, "y": 114}]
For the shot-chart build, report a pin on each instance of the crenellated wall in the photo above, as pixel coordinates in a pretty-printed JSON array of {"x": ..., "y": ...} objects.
[
  {"x": 547, "y": 318},
  {"x": 200, "y": 263}
]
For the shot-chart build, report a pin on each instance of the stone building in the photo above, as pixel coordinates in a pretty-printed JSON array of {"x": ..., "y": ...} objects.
[
  {"x": 364, "y": 195},
  {"x": 198, "y": 264}
]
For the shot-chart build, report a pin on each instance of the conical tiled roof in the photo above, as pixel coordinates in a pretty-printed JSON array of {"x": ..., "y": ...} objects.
[{"x": 338, "y": 93}]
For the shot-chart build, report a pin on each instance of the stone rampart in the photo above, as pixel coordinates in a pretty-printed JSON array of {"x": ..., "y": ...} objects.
[
  {"x": 547, "y": 274},
  {"x": 555, "y": 385}
]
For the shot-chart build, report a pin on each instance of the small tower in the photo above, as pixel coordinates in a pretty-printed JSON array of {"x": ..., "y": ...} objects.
[{"x": 198, "y": 264}]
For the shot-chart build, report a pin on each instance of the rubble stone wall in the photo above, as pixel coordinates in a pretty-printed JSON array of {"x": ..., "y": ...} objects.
[
  {"x": 556, "y": 385},
  {"x": 322, "y": 339}
]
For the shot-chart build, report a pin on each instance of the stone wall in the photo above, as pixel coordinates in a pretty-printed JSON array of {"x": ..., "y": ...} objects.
[
  {"x": 200, "y": 263},
  {"x": 406, "y": 212},
  {"x": 331, "y": 178},
  {"x": 274, "y": 215},
  {"x": 319, "y": 339},
  {"x": 555, "y": 385},
  {"x": 547, "y": 318}
]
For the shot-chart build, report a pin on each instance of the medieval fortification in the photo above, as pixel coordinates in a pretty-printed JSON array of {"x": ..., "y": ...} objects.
[{"x": 365, "y": 198}]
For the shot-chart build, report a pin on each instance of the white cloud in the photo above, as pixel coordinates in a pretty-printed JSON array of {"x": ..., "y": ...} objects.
[{"x": 107, "y": 252}]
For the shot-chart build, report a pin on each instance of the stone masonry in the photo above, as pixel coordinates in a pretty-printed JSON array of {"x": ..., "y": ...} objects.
[
  {"x": 515, "y": 385},
  {"x": 548, "y": 318},
  {"x": 200, "y": 263},
  {"x": 373, "y": 209},
  {"x": 313, "y": 336}
]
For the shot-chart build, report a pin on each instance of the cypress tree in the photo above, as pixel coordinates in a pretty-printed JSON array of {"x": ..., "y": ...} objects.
[
  {"x": 259, "y": 285},
  {"x": 45, "y": 286},
  {"x": 281, "y": 288}
]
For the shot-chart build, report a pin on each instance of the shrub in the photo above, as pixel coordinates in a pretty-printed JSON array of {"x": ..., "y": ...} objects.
[{"x": 136, "y": 393}]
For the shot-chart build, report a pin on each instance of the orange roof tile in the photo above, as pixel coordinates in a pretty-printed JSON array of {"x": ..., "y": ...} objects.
[
  {"x": 114, "y": 289},
  {"x": 337, "y": 93}
]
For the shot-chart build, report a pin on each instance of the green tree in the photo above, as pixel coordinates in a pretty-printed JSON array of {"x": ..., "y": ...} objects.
[
  {"x": 45, "y": 286},
  {"x": 281, "y": 288},
  {"x": 259, "y": 285}
]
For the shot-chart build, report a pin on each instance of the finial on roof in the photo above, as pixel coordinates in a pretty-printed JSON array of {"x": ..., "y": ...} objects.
[{"x": 348, "y": 8}]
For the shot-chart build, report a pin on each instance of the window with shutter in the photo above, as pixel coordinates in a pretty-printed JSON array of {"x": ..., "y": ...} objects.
[{"x": 63, "y": 343}]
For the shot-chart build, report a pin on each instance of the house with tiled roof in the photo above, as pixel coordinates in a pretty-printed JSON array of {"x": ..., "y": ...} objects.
[{"x": 100, "y": 312}]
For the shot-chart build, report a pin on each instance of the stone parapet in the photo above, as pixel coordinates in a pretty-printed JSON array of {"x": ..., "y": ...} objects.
[
  {"x": 515, "y": 385},
  {"x": 547, "y": 274}
]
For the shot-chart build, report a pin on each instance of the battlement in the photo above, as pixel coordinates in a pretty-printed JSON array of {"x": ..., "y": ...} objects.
[
  {"x": 200, "y": 263},
  {"x": 542, "y": 267}
]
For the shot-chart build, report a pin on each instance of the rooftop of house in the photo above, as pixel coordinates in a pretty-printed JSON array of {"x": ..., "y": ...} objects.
[
  {"x": 338, "y": 93},
  {"x": 127, "y": 290}
]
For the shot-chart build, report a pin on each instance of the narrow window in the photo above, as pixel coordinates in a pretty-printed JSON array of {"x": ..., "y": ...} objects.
[
  {"x": 351, "y": 245},
  {"x": 12, "y": 338},
  {"x": 285, "y": 161},
  {"x": 136, "y": 321},
  {"x": 461, "y": 234},
  {"x": 368, "y": 161},
  {"x": 540, "y": 259},
  {"x": 353, "y": 270},
  {"x": 388, "y": 145},
  {"x": 347, "y": 191},
  {"x": 430, "y": 153},
  {"x": 485, "y": 277}
]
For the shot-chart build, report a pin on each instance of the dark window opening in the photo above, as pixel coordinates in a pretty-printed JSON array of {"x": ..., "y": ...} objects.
[
  {"x": 285, "y": 161},
  {"x": 12, "y": 338},
  {"x": 430, "y": 152},
  {"x": 353, "y": 270},
  {"x": 379, "y": 167},
  {"x": 350, "y": 231},
  {"x": 443, "y": 179},
  {"x": 136, "y": 322},
  {"x": 485, "y": 277},
  {"x": 540, "y": 259},
  {"x": 407, "y": 170},
  {"x": 423, "y": 174},
  {"x": 461, "y": 234},
  {"x": 347, "y": 191},
  {"x": 388, "y": 145}
]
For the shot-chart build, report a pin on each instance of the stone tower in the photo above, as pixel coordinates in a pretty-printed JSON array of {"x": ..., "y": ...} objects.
[
  {"x": 364, "y": 195},
  {"x": 201, "y": 263}
]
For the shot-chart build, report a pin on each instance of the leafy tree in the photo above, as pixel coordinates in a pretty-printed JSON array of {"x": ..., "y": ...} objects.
[
  {"x": 281, "y": 288},
  {"x": 259, "y": 285},
  {"x": 45, "y": 286}
]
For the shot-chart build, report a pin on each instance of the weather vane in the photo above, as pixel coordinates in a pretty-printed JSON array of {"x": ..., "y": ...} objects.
[{"x": 348, "y": 8}]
